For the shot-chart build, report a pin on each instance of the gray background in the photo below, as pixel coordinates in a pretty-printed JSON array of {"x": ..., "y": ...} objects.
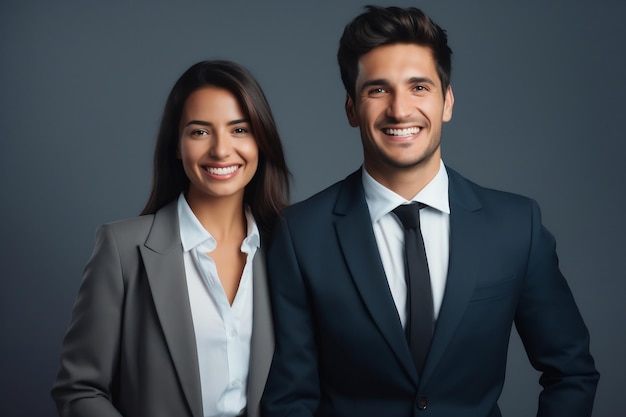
[{"x": 539, "y": 89}]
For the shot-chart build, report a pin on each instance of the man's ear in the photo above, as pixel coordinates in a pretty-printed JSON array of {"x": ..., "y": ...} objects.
[
  {"x": 448, "y": 104},
  {"x": 351, "y": 111}
]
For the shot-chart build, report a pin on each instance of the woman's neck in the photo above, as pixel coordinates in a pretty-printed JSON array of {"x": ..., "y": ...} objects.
[{"x": 223, "y": 217}]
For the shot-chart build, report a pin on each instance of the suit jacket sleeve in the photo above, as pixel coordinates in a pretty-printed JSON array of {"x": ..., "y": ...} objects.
[
  {"x": 292, "y": 388},
  {"x": 553, "y": 332},
  {"x": 90, "y": 350}
]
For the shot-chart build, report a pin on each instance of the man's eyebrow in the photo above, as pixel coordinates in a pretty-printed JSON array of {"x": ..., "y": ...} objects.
[
  {"x": 419, "y": 80},
  {"x": 374, "y": 83}
]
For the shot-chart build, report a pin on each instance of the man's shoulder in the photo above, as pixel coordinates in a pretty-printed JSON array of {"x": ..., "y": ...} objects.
[
  {"x": 464, "y": 189},
  {"x": 322, "y": 202}
]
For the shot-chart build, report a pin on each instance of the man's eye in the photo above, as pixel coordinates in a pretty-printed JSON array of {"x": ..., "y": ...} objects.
[
  {"x": 419, "y": 88},
  {"x": 377, "y": 90}
]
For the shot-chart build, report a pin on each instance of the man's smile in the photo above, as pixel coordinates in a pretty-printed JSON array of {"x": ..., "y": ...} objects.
[{"x": 409, "y": 131}]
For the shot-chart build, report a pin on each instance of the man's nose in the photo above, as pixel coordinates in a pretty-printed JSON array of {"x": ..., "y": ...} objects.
[{"x": 401, "y": 106}]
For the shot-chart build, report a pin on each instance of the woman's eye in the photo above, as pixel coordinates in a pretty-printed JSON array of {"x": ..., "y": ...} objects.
[
  {"x": 199, "y": 132},
  {"x": 240, "y": 130}
]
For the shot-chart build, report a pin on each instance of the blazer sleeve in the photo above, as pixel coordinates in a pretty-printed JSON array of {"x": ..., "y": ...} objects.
[
  {"x": 553, "y": 332},
  {"x": 90, "y": 350},
  {"x": 292, "y": 387}
]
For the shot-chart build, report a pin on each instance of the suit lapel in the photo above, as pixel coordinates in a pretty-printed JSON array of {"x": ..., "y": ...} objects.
[
  {"x": 163, "y": 261},
  {"x": 358, "y": 244},
  {"x": 466, "y": 224},
  {"x": 262, "y": 343}
]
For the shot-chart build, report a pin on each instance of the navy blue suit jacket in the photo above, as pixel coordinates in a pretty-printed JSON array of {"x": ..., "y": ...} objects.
[{"x": 341, "y": 350}]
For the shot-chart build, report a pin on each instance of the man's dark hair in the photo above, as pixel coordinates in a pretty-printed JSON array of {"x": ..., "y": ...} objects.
[{"x": 379, "y": 26}]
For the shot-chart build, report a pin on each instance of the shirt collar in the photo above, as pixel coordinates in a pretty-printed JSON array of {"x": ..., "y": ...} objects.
[
  {"x": 381, "y": 200},
  {"x": 192, "y": 233}
]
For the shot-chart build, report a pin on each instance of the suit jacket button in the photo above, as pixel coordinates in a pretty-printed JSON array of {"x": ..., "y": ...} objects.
[{"x": 422, "y": 402}]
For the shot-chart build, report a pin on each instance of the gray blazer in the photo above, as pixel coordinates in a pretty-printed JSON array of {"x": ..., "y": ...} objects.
[{"x": 130, "y": 348}]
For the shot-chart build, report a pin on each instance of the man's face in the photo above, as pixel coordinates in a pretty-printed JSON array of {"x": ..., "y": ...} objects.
[{"x": 399, "y": 108}]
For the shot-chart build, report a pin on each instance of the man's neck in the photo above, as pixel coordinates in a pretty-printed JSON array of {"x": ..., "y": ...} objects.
[{"x": 406, "y": 182}]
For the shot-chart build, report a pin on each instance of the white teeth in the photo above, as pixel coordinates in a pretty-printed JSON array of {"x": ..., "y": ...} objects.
[
  {"x": 222, "y": 171},
  {"x": 403, "y": 132}
]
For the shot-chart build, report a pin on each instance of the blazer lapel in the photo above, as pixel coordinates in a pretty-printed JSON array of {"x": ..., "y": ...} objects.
[
  {"x": 262, "y": 343},
  {"x": 357, "y": 241},
  {"x": 163, "y": 261},
  {"x": 466, "y": 223}
]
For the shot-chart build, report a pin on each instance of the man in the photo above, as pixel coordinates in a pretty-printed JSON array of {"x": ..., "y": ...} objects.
[{"x": 345, "y": 318}]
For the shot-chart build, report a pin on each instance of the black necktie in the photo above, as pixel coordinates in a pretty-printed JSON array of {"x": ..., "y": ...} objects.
[{"x": 420, "y": 317}]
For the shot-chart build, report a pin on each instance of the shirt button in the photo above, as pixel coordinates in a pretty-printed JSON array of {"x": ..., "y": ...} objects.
[
  {"x": 422, "y": 402},
  {"x": 232, "y": 333},
  {"x": 235, "y": 383}
]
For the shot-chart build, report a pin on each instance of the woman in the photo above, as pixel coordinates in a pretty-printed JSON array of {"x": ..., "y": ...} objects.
[{"x": 172, "y": 317}]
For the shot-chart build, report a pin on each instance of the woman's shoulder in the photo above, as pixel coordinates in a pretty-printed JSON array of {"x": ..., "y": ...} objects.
[
  {"x": 137, "y": 229},
  {"x": 131, "y": 223},
  {"x": 133, "y": 229}
]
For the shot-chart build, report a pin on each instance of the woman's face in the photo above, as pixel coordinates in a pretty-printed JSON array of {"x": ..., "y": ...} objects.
[{"x": 216, "y": 146}]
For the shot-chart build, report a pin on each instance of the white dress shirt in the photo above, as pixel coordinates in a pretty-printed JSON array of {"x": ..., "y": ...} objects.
[
  {"x": 435, "y": 227},
  {"x": 222, "y": 330}
]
